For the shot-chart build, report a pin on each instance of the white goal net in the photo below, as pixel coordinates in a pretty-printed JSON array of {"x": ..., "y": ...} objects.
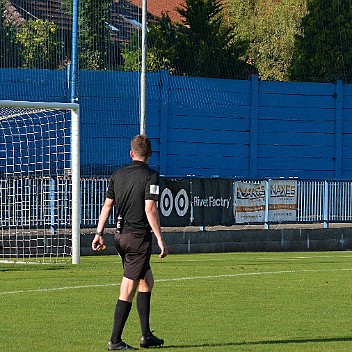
[{"x": 39, "y": 182}]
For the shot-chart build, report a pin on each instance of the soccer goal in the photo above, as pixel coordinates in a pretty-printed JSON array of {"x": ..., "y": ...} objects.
[{"x": 39, "y": 182}]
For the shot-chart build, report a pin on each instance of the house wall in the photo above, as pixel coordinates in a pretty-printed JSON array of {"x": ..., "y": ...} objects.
[{"x": 204, "y": 127}]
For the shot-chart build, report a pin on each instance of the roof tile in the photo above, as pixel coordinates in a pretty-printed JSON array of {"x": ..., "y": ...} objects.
[{"x": 157, "y": 7}]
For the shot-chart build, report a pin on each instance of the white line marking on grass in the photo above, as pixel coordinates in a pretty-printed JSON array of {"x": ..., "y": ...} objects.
[
  {"x": 251, "y": 274},
  {"x": 178, "y": 279},
  {"x": 264, "y": 258},
  {"x": 305, "y": 257}
]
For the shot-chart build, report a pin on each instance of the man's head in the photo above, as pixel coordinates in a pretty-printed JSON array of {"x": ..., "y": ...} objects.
[{"x": 141, "y": 148}]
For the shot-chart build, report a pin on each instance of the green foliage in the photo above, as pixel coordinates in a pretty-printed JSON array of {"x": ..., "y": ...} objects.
[
  {"x": 324, "y": 52},
  {"x": 206, "y": 46},
  {"x": 9, "y": 53},
  {"x": 66, "y": 6},
  {"x": 131, "y": 53},
  {"x": 161, "y": 39},
  {"x": 303, "y": 40},
  {"x": 201, "y": 46},
  {"x": 96, "y": 49},
  {"x": 270, "y": 27},
  {"x": 39, "y": 43},
  {"x": 94, "y": 34}
]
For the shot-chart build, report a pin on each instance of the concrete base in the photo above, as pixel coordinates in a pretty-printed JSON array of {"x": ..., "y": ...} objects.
[{"x": 253, "y": 240}]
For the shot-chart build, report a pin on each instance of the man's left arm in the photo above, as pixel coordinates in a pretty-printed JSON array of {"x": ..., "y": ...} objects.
[{"x": 151, "y": 211}]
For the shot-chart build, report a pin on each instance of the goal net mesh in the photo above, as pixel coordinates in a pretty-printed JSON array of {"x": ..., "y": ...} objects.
[{"x": 35, "y": 184}]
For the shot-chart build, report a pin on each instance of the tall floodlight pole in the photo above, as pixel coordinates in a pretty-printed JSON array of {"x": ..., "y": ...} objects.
[
  {"x": 75, "y": 145},
  {"x": 143, "y": 105}
]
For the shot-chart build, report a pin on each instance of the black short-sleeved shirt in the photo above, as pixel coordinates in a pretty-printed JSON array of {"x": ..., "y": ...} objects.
[{"x": 130, "y": 186}]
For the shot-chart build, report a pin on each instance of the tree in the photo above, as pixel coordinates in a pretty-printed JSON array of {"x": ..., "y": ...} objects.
[
  {"x": 202, "y": 45},
  {"x": 39, "y": 44},
  {"x": 161, "y": 44},
  {"x": 97, "y": 51},
  {"x": 9, "y": 53},
  {"x": 323, "y": 53},
  {"x": 206, "y": 45},
  {"x": 270, "y": 26}
]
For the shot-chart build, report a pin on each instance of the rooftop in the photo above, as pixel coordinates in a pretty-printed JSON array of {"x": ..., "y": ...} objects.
[
  {"x": 158, "y": 7},
  {"x": 125, "y": 14}
]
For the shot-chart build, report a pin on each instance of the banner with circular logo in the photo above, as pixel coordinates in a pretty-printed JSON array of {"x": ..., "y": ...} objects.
[{"x": 174, "y": 202}]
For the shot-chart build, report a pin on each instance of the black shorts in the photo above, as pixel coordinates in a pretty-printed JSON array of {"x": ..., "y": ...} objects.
[{"x": 135, "y": 249}]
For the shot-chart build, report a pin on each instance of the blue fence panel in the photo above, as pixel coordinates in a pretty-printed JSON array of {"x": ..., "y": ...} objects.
[
  {"x": 34, "y": 85},
  {"x": 109, "y": 117},
  {"x": 208, "y": 124},
  {"x": 203, "y": 126}
]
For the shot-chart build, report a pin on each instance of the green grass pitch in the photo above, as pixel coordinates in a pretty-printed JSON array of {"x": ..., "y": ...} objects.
[{"x": 258, "y": 302}]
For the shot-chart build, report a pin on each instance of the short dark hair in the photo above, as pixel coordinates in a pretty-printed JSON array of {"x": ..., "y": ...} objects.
[{"x": 142, "y": 146}]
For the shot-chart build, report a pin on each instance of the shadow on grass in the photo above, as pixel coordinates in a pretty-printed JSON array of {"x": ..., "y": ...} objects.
[
  {"x": 31, "y": 267},
  {"x": 269, "y": 342}
]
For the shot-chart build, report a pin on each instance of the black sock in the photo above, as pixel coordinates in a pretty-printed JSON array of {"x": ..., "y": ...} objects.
[
  {"x": 122, "y": 311},
  {"x": 143, "y": 307}
]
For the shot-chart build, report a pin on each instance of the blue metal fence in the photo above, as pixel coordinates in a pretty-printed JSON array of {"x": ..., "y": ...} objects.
[{"x": 201, "y": 126}]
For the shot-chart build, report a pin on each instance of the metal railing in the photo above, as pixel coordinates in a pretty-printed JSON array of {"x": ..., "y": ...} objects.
[{"x": 46, "y": 202}]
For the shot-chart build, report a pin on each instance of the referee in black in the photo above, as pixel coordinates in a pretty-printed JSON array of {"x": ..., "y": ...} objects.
[{"x": 134, "y": 190}]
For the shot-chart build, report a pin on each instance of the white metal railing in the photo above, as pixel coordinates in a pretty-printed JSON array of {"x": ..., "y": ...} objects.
[
  {"x": 46, "y": 202},
  {"x": 310, "y": 201},
  {"x": 92, "y": 198}
]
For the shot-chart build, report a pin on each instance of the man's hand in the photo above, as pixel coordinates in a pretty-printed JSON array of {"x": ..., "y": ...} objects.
[
  {"x": 163, "y": 249},
  {"x": 98, "y": 243}
]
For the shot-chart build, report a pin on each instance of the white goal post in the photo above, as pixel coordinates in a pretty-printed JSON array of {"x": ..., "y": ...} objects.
[{"x": 39, "y": 144}]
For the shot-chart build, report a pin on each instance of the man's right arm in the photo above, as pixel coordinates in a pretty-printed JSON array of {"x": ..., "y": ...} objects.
[{"x": 98, "y": 240}]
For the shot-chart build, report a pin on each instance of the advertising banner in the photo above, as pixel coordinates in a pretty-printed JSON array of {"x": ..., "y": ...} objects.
[
  {"x": 251, "y": 199},
  {"x": 175, "y": 202},
  {"x": 212, "y": 201},
  {"x": 282, "y": 200},
  {"x": 250, "y": 202}
]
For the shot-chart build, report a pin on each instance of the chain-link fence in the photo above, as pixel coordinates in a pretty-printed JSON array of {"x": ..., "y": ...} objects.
[{"x": 286, "y": 40}]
